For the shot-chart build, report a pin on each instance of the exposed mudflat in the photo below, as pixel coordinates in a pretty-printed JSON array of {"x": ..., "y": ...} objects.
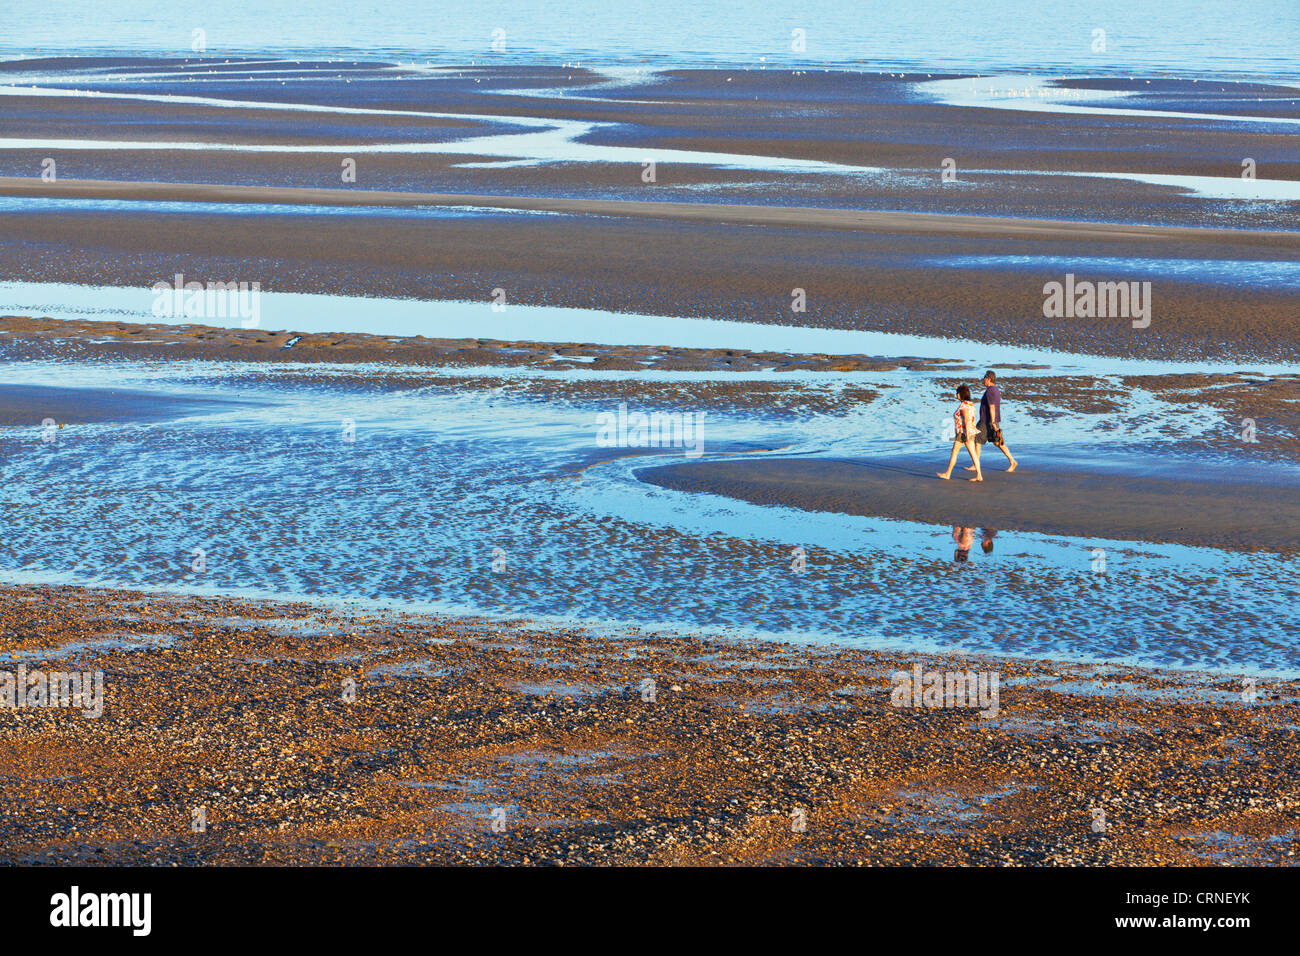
[{"x": 1244, "y": 516}]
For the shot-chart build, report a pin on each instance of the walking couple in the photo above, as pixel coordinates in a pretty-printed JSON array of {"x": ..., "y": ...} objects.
[{"x": 975, "y": 433}]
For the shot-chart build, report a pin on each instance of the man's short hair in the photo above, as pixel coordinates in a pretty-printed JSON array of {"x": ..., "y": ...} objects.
[
  {"x": 990, "y": 376},
  {"x": 987, "y": 545}
]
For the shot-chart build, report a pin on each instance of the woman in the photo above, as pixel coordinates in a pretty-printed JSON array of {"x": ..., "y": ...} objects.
[
  {"x": 964, "y": 418},
  {"x": 965, "y": 537}
]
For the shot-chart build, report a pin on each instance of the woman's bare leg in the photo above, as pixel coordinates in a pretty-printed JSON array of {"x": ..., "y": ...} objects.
[
  {"x": 952, "y": 460},
  {"x": 974, "y": 456}
]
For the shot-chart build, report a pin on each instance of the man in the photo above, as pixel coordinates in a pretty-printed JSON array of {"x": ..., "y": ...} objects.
[{"x": 990, "y": 421}]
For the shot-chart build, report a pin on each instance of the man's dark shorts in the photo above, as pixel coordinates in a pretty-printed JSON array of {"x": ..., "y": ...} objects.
[{"x": 982, "y": 434}]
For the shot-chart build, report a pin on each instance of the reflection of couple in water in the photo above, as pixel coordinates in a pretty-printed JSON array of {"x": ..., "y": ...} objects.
[
  {"x": 975, "y": 432},
  {"x": 965, "y": 537}
]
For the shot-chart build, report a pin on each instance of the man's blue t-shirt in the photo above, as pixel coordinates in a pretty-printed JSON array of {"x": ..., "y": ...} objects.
[{"x": 991, "y": 405}]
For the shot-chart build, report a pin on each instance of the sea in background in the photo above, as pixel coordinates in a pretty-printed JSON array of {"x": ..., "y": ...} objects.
[{"x": 1180, "y": 37}]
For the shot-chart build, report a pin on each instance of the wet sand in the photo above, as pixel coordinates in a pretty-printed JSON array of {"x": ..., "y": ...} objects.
[
  {"x": 902, "y": 223},
  {"x": 1245, "y": 516},
  {"x": 31, "y": 404},
  {"x": 882, "y": 281},
  {"x": 849, "y": 118},
  {"x": 872, "y": 251},
  {"x": 25, "y": 338},
  {"x": 239, "y": 708}
]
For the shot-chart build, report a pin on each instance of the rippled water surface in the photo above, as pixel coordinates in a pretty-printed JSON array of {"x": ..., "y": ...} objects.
[{"x": 482, "y": 501}]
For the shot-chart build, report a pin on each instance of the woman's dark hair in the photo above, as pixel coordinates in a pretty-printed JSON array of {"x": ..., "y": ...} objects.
[{"x": 963, "y": 393}]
